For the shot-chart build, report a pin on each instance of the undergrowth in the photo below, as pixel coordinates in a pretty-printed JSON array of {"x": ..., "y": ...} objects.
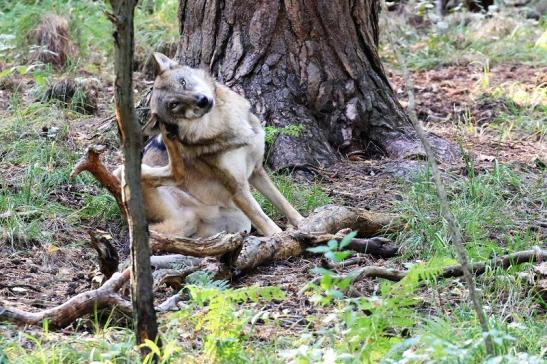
[
  {"x": 41, "y": 203},
  {"x": 463, "y": 38},
  {"x": 491, "y": 209}
]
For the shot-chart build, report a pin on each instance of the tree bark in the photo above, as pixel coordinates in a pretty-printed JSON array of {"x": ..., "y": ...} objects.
[
  {"x": 133, "y": 203},
  {"x": 308, "y": 62}
]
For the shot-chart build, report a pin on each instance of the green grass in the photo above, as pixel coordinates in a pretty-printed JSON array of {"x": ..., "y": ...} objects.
[
  {"x": 504, "y": 38},
  {"x": 111, "y": 345},
  {"x": 89, "y": 29},
  {"x": 458, "y": 340},
  {"x": 486, "y": 206},
  {"x": 38, "y": 168}
]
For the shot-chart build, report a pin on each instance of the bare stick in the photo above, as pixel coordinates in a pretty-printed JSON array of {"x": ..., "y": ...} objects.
[
  {"x": 170, "y": 304},
  {"x": 215, "y": 245},
  {"x": 74, "y": 308},
  {"x": 453, "y": 229},
  {"x": 504, "y": 262},
  {"x": 146, "y": 327}
]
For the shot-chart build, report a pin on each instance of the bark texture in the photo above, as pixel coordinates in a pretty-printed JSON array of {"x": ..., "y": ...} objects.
[
  {"x": 308, "y": 62},
  {"x": 133, "y": 203}
]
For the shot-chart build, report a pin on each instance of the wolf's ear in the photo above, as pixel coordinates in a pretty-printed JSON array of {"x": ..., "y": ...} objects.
[
  {"x": 152, "y": 126},
  {"x": 163, "y": 63}
]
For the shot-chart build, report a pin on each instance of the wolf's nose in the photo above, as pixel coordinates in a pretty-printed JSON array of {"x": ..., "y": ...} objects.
[{"x": 203, "y": 102}]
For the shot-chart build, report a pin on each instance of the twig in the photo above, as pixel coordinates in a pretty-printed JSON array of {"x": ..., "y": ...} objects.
[
  {"x": 343, "y": 264},
  {"x": 504, "y": 262},
  {"x": 454, "y": 231},
  {"x": 171, "y": 303}
]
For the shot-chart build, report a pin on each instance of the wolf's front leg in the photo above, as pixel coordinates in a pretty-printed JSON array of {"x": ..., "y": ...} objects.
[
  {"x": 246, "y": 202},
  {"x": 262, "y": 182}
]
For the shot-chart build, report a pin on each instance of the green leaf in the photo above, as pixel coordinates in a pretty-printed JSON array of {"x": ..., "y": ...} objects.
[
  {"x": 319, "y": 249},
  {"x": 332, "y": 244},
  {"x": 347, "y": 239},
  {"x": 339, "y": 256}
]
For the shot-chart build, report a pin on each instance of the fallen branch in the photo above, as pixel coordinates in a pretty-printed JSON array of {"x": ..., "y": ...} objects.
[
  {"x": 215, "y": 245},
  {"x": 395, "y": 275},
  {"x": 172, "y": 261},
  {"x": 77, "y": 306},
  {"x": 170, "y": 304}
]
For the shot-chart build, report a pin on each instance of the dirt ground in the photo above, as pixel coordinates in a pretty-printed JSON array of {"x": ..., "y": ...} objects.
[{"x": 40, "y": 278}]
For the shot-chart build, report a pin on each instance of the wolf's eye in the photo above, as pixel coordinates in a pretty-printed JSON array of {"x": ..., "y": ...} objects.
[
  {"x": 182, "y": 82},
  {"x": 172, "y": 105}
]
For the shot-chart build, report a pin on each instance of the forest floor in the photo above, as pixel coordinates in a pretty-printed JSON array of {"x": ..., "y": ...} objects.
[{"x": 495, "y": 108}]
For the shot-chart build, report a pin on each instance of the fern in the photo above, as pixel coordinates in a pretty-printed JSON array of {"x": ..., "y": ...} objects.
[
  {"x": 205, "y": 279},
  {"x": 223, "y": 323}
]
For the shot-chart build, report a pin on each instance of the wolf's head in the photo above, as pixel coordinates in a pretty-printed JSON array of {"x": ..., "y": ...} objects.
[{"x": 181, "y": 94}]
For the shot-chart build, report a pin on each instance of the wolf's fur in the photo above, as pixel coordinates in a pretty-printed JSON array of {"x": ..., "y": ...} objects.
[{"x": 215, "y": 149}]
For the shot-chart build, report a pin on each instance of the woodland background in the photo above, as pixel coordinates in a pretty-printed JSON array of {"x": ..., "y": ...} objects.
[{"x": 480, "y": 81}]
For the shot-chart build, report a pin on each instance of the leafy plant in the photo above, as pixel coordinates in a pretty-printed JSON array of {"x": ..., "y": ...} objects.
[
  {"x": 364, "y": 329},
  {"x": 222, "y": 324},
  {"x": 272, "y": 132}
]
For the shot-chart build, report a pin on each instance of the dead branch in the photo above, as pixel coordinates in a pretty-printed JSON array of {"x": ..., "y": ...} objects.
[
  {"x": 172, "y": 261},
  {"x": 253, "y": 251},
  {"x": 74, "y": 308},
  {"x": 333, "y": 218},
  {"x": 503, "y": 262},
  {"x": 91, "y": 161},
  {"x": 170, "y": 304},
  {"x": 215, "y": 245},
  {"x": 343, "y": 264}
]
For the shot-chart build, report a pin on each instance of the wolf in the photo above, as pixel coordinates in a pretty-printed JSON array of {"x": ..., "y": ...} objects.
[{"x": 208, "y": 151}]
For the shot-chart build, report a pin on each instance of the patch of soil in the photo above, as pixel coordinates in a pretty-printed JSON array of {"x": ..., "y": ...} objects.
[{"x": 445, "y": 93}]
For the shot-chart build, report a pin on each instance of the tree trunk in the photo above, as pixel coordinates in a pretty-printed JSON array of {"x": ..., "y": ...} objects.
[
  {"x": 308, "y": 62},
  {"x": 133, "y": 202}
]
